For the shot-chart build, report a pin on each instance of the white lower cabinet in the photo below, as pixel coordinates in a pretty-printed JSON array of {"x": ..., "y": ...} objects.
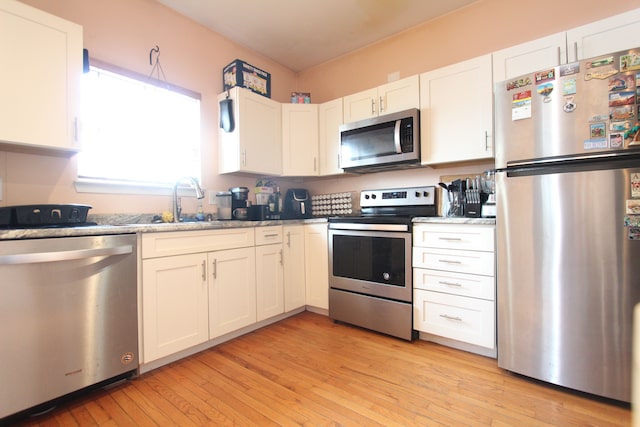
[
  {"x": 175, "y": 305},
  {"x": 294, "y": 266},
  {"x": 454, "y": 285},
  {"x": 316, "y": 257},
  {"x": 232, "y": 290},
  {"x": 269, "y": 272}
]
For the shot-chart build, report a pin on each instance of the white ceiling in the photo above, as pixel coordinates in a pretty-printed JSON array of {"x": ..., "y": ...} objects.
[{"x": 302, "y": 33}]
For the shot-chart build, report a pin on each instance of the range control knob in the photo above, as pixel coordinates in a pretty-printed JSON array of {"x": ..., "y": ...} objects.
[
  {"x": 418, "y": 194},
  {"x": 366, "y": 196},
  {"x": 373, "y": 196},
  {"x": 426, "y": 194}
]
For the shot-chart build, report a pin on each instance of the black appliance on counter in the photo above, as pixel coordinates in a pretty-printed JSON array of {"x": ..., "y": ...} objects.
[
  {"x": 370, "y": 274},
  {"x": 44, "y": 216},
  {"x": 297, "y": 204}
]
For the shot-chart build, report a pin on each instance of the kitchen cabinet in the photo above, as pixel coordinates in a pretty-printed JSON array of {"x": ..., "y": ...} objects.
[
  {"x": 294, "y": 267},
  {"x": 454, "y": 284},
  {"x": 232, "y": 290},
  {"x": 40, "y": 78},
  {"x": 255, "y": 144},
  {"x": 175, "y": 304},
  {"x": 456, "y": 112},
  {"x": 316, "y": 256},
  {"x": 300, "y": 140},
  {"x": 388, "y": 98},
  {"x": 195, "y": 285},
  {"x": 329, "y": 121},
  {"x": 608, "y": 35},
  {"x": 269, "y": 272}
]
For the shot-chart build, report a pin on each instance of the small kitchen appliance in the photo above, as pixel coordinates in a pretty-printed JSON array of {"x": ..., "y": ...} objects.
[
  {"x": 297, "y": 204},
  {"x": 223, "y": 201},
  {"x": 370, "y": 276},
  {"x": 385, "y": 142},
  {"x": 488, "y": 185}
]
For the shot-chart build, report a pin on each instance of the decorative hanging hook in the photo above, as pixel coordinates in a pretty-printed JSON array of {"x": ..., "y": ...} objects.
[{"x": 157, "y": 67}]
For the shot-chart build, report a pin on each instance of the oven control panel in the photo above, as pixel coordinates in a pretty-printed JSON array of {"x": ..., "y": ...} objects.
[{"x": 410, "y": 196}]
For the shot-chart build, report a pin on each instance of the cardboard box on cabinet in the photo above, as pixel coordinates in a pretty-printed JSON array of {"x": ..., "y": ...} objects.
[{"x": 240, "y": 73}]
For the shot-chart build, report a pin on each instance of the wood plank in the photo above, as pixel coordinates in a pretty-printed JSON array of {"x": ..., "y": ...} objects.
[{"x": 308, "y": 370}]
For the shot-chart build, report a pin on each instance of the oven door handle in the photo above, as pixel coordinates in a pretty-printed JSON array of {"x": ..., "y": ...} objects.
[
  {"x": 368, "y": 227},
  {"x": 31, "y": 258}
]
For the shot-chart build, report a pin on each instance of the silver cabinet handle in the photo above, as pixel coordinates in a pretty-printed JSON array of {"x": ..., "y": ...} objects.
[
  {"x": 456, "y": 318},
  {"x": 215, "y": 268},
  {"x": 449, "y": 261},
  {"x": 373, "y": 106},
  {"x": 270, "y": 235},
  {"x": 204, "y": 271},
  {"x": 315, "y": 164},
  {"x": 64, "y": 255},
  {"x": 450, "y": 239},
  {"x": 281, "y": 260},
  {"x": 559, "y": 56},
  {"x": 381, "y": 104},
  {"x": 486, "y": 140},
  {"x": 458, "y": 285},
  {"x": 244, "y": 157},
  {"x": 288, "y": 238}
]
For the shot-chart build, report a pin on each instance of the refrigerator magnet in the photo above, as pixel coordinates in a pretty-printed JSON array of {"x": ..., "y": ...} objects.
[
  {"x": 595, "y": 144},
  {"x": 569, "y": 105},
  {"x": 634, "y": 233},
  {"x": 569, "y": 87},
  {"x": 630, "y": 62},
  {"x": 545, "y": 76},
  {"x": 616, "y": 140},
  {"x": 521, "y": 106},
  {"x": 597, "y": 130},
  {"x": 635, "y": 187},
  {"x": 617, "y": 99}
]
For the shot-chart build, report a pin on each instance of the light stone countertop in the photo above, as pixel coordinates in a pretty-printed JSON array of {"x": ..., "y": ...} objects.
[
  {"x": 139, "y": 226},
  {"x": 454, "y": 220}
]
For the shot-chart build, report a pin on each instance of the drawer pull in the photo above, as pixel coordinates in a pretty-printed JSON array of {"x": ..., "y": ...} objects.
[
  {"x": 456, "y": 318},
  {"x": 450, "y": 239},
  {"x": 450, "y": 284},
  {"x": 271, "y": 235},
  {"x": 449, "y": 261}
]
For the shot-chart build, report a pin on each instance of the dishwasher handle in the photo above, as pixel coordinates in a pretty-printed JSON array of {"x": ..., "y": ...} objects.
[{"x": 36, "y": 257}]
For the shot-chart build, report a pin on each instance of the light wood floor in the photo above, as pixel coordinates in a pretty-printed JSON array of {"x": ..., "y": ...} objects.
[{"x": 307, "y": 370}]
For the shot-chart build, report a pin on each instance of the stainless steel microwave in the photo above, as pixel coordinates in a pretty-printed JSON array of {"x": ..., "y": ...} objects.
[{"x": 385, "y": 142}]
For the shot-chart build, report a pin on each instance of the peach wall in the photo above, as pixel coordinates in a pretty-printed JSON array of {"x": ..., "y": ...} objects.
[
  {"x": 123, "y": 31},
  {"x": 482, "y": 27}
]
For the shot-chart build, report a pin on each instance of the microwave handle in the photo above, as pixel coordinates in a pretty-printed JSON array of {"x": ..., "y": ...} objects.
[{"x": 396, "y": 137}]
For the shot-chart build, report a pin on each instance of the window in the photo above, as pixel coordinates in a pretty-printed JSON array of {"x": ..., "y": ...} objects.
[{"x": 137, "y": 130}]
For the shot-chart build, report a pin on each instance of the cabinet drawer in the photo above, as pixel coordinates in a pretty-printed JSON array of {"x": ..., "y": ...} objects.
[
  {"x": 183, "y": 242},
  {"x": 268, "y": 235},
  {"x": 454, "y": 236},
  {"x": 470, "y": 262},
  {"x": 460, "y": 318},
  {"x": 467, "y": 285}
]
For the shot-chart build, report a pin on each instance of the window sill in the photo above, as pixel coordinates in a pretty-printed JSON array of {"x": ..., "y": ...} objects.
[{"x": 87, "y": 185}]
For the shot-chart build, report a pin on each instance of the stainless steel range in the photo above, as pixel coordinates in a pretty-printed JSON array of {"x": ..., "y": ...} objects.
[{"x": 370, "y": 278}]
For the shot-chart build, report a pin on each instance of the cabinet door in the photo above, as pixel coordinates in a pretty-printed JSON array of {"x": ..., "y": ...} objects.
[
  {"x": 232, "y": 290},
  {"x": 316, "y": 255},
  {"x": 456, "y": 114},
  {"x": 255, "y": 145},
  {"x": 269, "y": 281},
  {"x": 399, "y": 95},
  {"x": 535, "y": 55},
  {"x": 618, "y": 32},
  {"x": 294, "y": 267},
  {"x": 39, "y": 77},
  {"x": 174, "y": 304},
  {"x": 299, "y": 139},
  {"x": 329, "y": 121},
  {"x": 360, "y": 106}
]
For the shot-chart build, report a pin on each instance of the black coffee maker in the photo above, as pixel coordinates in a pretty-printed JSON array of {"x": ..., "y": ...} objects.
[
  {"x": 239, "y": 197},
  {"x": 297, "y": 204}
]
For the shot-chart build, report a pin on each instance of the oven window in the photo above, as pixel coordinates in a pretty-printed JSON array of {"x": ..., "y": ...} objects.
[{"x": 373, "y": 259}]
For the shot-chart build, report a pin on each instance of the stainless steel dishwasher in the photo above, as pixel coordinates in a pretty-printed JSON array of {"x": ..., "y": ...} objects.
[{"x": 68, "y": 310}]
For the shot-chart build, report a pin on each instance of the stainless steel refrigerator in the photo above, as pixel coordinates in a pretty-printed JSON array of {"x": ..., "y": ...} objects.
[{"x": 568, "y": 223}]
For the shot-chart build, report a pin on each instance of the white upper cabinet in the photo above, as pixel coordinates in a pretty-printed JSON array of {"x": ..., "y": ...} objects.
[
  {"x": 329, "y": 121},
  {"x": 524, "y": 58},
  {"x": 300, "y": 140},
  {"x": 39, "y": 78},
  {"x": 255, "y": 144},
  {"x": 386, "y": 99},
  {"x": 608, "y": 35},
  {"x": 456, "y": 112}
]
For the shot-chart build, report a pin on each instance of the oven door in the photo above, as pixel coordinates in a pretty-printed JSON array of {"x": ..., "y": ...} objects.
[{"x": 369, "y": 262}]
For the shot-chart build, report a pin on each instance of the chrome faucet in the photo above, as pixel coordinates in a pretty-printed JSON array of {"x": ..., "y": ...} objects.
[{"x": 177, "y": 209}]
